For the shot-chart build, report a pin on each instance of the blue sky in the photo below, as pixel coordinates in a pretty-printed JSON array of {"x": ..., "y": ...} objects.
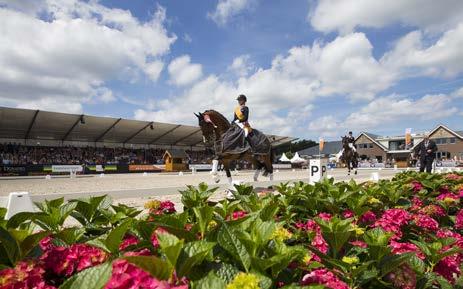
[{"x": 309, "y": 68}]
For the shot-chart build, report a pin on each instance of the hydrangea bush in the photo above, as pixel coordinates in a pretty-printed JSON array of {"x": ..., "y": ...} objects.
[{"x": 402, "y": 233}]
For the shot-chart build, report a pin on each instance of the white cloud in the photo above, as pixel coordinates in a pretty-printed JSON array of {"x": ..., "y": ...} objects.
[
  {"x": 391, "y": 110},
  {"x": 183, "y": 72},
  {"x": 281, "y": 96},
  {"x": 69, "y": 57},
  {"x": 227, "y": 9},
  {"x": 241, "y": 65},
  {"x": 187, "y": 38},
  {"x": 345, "y": 15},
  {"x": 441, "y": 59}
]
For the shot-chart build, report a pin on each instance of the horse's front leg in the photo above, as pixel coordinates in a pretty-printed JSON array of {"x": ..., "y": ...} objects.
[
  {"x": 226, "y": 167},
  {"x": 214, "y": 172}
]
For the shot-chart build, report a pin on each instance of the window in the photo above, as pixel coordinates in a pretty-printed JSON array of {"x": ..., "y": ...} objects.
[
  {"x": 371, "y": 145},
  {"x": 453, "y": 140}
]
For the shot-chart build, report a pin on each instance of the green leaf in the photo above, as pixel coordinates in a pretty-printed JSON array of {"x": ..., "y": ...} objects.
[
  {"x": 32, "y": 241},
  {"x": 20, "y": 218},
  {"x": 193, "y": 253},
  {"x": 209, "y": 282},
  {"x": 171, "y": 246},
  {"x": 230, "y": 242},
  {"x": 151, "y": 264},
  {"x": 10, "y": 246},
  {"x": 70, "y": 235},
  {"x": 203, "y": 216},
  {"x": 389, "y": 263},
  {"x": 116, "y": 235},
  {"x": 92, "y": 278}
]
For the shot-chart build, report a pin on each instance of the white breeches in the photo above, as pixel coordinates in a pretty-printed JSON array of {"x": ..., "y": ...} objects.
[{"x": 246, "y": 129}]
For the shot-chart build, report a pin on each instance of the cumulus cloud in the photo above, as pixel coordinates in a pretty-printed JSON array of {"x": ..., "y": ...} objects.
[
  {"x": 183, "y": 72},
  {"x": 68, "y": 57},
  {"x": 390, "y": 109},
  {"x": 345, "y": 15},
  {"x": 241, "y": 65},
  {"x": 411, "y": 57},
  {"x": 281, "y": 96},
  {"x": 227, "y": 9}
]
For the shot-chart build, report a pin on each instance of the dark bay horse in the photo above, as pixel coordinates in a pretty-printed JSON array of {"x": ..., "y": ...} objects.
[
  {"x": 349, "y": 156},
  {"x": 213, "y": 126}
]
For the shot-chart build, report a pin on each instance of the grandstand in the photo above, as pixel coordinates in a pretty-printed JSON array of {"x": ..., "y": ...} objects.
[{"x": 40, "y": 138}]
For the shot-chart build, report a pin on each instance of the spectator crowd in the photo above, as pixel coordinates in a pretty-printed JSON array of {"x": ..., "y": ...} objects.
[{"x": 17, "y": 154}]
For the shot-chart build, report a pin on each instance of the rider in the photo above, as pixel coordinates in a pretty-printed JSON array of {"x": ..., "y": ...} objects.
[
  {"x": 241, "y": 115},
  {"x": 351, "y": 140}
]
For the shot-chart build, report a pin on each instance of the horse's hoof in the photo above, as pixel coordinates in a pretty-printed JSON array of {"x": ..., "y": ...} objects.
[{"x": 355, "y": 172}]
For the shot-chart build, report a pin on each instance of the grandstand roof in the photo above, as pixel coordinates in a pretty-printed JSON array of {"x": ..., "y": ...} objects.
[{"x": 44, "y": 125}]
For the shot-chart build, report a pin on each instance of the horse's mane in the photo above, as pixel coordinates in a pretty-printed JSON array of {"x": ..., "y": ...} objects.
[{"x": 218, "y": 114}]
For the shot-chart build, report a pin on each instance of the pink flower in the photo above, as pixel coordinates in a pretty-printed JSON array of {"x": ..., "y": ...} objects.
[
  {"x": 154, "y": 237},
  {"x": 359, "y": 244},
  {"x": 401, "y": 248},
  {"x": 433, "y": 211},
  {"x": 368, "y": 217},
  {"x": 348, "y": 214},
  {"x": 167, "y": 207},
  {"x": 416, "y": 186},
  {"x": 392, "y": 220},
  {"x": 238, "y": 215},
  {"x": 449, "y": 267},
  {"x": 445, "y": 233},
  {"x": 459, "y": 220},
  {"x": 325, "y": 216},
  {"x": 46, "y": 243},
  {"x": 426, "y": 222},
  {"x": 417, "y": 203},
  {"x": 318, "y": 241},
  {"x": 64, "y": 261},
  {"x": 129, "y": 240},
  {"x": 447, "y": 195},
  {"x": 460, "y": 193},
  {"x": 325, "y": 278},
  {"x": 25, "y": 275},
  {"x": 454, "y": 177}
]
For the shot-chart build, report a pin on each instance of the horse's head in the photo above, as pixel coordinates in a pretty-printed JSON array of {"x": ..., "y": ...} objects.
[
  {"x": 207, "y": 127},
  {"x": 345, "y": 142}
]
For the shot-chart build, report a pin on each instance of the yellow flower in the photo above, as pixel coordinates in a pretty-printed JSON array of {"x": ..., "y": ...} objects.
[
  {"x": 359, "y": 231},
  {"x": 281, "y": 234},
  {"x": 350, "y": 260},
  {"x": 307, "y": 258},
  {"x": 152, "y": 204},
  {"x": 374, "y": 201},
  {"x": 244, "y": 281},
  {"x": 450, "y": 201},
  {"x": 212, "y": 224}
]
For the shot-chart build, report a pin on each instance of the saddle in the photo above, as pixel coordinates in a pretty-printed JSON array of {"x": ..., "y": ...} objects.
[{"x": 233, "y": 141}]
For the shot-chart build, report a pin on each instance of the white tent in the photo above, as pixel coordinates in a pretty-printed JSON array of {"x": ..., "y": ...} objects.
[
  {"x": 297, "y": 159},
  {"x": 284, "y": 158}
]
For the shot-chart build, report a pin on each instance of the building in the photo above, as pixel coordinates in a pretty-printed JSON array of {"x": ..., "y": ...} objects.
[{"x": 394, "y": 150}]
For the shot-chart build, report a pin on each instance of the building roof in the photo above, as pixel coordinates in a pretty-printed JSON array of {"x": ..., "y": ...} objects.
[
  {"x": 44, "y": 125},
  {"x": 176, "y": 153},
  {"x": 330, "y": 148},
  {"x": 456, "y": 133},
  {"x": 372, "y": 137}
]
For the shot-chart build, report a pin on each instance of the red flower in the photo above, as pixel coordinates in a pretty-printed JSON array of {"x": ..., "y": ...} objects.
[
  {"x": 417, "y": 203},
  {"x": 449, "y": 268},
  {"x": 403, "y": 277},
  {"x": 64, "y": 261},
  {"x": 325, "y": 278},
  {"x": 25, "y": 275},
  {"x": 368, "y": 217},
  {"x": 433, "y": 211},
  {"x": 129, "y": 240},
  {"x": 416, "y": 186},
  {"x": 238, "y": 215},
  {"x": 459, "y": 220},
  {"x": 154, "y": 237},
  {"x": 360, "y": 244},
  {"x": 447, "y": 195},
  {"x": 46, "y": 243},
  {"x": 348, "y": 214},
  {"x": 325, "y": 216},
  {"x": 426, "y": 222},
  {"x": 401, "y": 248},
  {"x": 392, "y": 220}
]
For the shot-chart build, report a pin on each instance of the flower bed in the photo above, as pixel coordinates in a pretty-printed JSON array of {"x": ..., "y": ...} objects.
[{"x": 404, "y": 233}]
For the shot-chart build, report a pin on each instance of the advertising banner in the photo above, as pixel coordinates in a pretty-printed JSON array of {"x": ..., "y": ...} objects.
[{"x": 144, "y": 168}]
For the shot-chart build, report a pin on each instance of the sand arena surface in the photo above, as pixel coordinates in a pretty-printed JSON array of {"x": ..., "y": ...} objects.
[{"x": 136, "y": 189}]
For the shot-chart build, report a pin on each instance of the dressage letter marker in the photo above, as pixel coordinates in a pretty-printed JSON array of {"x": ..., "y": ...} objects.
[{"x": 317, "y": 170}]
